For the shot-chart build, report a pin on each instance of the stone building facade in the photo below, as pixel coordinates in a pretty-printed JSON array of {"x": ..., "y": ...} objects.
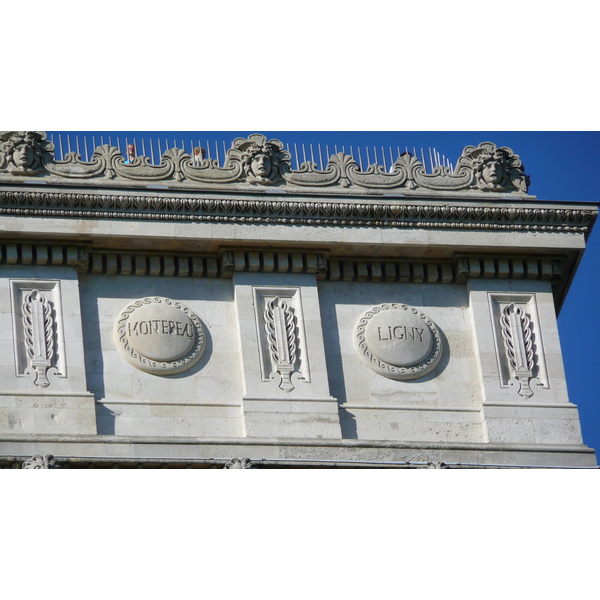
[{"x": 192, "y": 314}]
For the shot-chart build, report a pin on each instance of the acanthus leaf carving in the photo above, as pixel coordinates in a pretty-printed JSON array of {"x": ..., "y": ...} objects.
[
  {"x": 73, "y": 166},
  {"x": 309, "y": 175},
  {"x": 376, "y": 177},
  {"x": 236, "y": 463},
  {"x": 42, "y": 462}
]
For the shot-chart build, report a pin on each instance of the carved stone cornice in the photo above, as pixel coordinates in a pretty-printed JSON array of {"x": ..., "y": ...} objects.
[
  {"x": 472, "y": 215},
  {"x": 259, "y": 164}
]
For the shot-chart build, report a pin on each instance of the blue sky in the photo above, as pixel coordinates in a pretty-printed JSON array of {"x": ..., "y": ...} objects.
[{"x": 562, "y": 166}]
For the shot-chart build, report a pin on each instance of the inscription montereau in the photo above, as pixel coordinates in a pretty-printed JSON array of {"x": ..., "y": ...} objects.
[
  {"x": 159, "y": 335},
  {"x": 160, "y": 326}
]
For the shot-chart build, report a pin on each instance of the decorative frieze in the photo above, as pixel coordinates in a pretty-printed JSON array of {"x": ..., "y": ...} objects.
[
  {"x": 159, "y": 336},
  {"x": 260, "y": 163},
  {"x": 395, "y": 213}
]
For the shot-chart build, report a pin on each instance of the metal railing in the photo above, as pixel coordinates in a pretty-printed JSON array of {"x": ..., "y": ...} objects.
[{"x": 154, "y": 148}]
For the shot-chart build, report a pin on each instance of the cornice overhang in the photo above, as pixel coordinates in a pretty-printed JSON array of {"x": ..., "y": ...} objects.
[{"x": 424, "y": 213}]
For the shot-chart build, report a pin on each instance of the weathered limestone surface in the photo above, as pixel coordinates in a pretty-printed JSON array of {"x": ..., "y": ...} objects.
[{"x": 250, "y": 311}]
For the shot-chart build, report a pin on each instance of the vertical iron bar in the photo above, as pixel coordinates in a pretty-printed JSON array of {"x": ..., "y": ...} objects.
[
  {"x": 296, "y": 153},
  {"x": 312, "y": 155},
  {"x": 368, "y": 157},
  {"x": 392, "y": 161},
  {"x": 303, "y": 153},
  {"x": 217, "y": 152},
  {"x": 69, "y": 141},
  {"x": 430, "y": 161},
  {"x": 87, "y": 152},
  {"x": 61, "y": 146},
  {"x": 320, "y": 157}
]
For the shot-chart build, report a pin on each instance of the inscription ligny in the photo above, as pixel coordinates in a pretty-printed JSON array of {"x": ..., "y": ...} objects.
[
  {"x": 400, "y": 332},
  {"x": 397, "y": 341}
]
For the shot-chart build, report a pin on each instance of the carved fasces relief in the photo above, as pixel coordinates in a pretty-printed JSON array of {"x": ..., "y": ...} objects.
[
  {"x": 518, "y": 341},
  {"x": 281, "y": 338},
  {"x": 397, "y": 341},
  {"x": 39, "y": 337}
]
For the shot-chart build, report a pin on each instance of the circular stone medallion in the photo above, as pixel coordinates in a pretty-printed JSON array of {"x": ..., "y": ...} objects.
[
  {"x": 397, "y": 341},
  {"x": 159, "y": 336}
]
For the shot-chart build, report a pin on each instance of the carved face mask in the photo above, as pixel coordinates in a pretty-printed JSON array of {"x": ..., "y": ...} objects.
[
  {"x": 492, "y": 171},
  {"x": 23, "y": 155},
  {"x": 261, "y": 165}
]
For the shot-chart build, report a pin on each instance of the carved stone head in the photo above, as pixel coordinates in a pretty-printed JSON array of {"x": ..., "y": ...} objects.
[
  {"x": 24, "y": 152},
  {"x": 495, "y": 169},
  {"x": 261, "y": 160}
]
